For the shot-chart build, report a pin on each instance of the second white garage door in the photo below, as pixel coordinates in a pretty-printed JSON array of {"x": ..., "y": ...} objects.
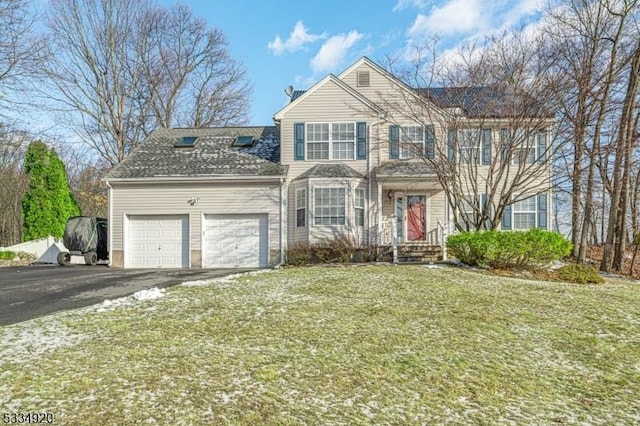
[
  {"x": 158, "y": 242},
  {"x": 236, "y": 241}
]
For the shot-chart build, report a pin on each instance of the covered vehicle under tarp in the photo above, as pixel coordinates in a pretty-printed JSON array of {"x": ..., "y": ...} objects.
[{"x": 86, "y": 236}]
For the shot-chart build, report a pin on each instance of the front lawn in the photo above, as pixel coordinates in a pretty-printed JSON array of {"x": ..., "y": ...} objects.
[{"x": 337, "y": 345}]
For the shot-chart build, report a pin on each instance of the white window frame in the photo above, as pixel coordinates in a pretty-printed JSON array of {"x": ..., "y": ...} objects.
[
  {"x": 359, "y": 203},
  {"x": 520, "y": 208},
  {"x": 302, "y": 207},
  {"x": 472, "y": 150},
  {"x": 524, "y": 142},
  {"x": 331, "y": 141},
  {"x": 411, "y": 141},
  {"x": 341, "y": 220}
]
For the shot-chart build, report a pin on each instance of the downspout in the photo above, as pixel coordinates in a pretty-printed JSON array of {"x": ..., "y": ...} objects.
[
  {"x": 381, "y": 119},
  {"x": 282, "y": 224},
  {"x": 109, "y": 222}
]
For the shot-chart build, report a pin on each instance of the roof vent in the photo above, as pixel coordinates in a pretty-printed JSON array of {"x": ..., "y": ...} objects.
[
  {"x": 243, "y": 141},
  {"x": 364, "y": 79},
  {"x": 187, "y": 142}
]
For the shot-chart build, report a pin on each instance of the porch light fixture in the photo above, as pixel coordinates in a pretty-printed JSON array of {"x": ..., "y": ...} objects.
[
  {"x": 193, "y": 201},
  {"x": 390, "y": 195}
]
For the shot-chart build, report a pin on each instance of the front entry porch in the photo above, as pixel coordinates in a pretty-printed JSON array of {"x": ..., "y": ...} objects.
[{"x": 413, "y": 226}]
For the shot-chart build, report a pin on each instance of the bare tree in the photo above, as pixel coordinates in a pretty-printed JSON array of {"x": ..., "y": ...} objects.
[
  {"x": 12, "y": 147},
  {"x": 492, "y": 137},
  {"x": 119, "y": 68},
  {"x": 19, "y": 52}
]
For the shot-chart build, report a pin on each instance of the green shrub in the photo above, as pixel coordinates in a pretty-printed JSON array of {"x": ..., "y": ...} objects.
[
  {"x": 581, "y": 274},
  {"x": 508, "y": 249},
  {"x": 7, "y": 255}
]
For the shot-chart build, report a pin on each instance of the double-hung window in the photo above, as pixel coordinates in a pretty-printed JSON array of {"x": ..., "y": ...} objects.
[
  {"x": 329, "y": 206},
  {"x": 359, "y": 207},
  {"x": 524, "y": 214},
  {"x": 318, "y": 141},
  {"x": 343, "y": 140},
  {"x": 301, "y": 207},
  {"x": 524, "y": 151},
  {"x": 412, "y": 145},
  {"x": 331, "y": 141},
  {"x": 469, "y": 140}
]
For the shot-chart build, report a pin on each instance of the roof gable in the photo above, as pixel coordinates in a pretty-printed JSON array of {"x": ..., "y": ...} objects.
[{"x": 300, "y": 95}]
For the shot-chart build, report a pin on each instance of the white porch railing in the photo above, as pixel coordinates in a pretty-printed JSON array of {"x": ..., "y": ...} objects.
[{"x": 387, "y": 235}]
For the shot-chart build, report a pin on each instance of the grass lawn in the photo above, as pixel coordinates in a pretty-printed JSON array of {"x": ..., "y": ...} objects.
[{"x": 337, "y": 345}]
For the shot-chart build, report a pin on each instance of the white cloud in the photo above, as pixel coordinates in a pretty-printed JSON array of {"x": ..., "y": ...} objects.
[
  {"x": 405, "y": 4},
  {"x": 333, "y": 51},
  {"x": 298, "y": 38},
  {"x": 456, "y": 16}
]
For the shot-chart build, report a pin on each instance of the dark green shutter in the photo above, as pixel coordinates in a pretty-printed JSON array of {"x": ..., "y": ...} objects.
[
  {"x": 394, "y": 142},
  {"x": 542, "y": 211},
  {"x": 486, "y": 146},
  {"x": 506, "y": 218},
  {"x": 504, "y": 142},
  {"x": 361, "y": 141},
  {"x": 429, "y": 142},
  {"x": 451, "y": 145},
  {"x": 542, "y": 146},
  {"x": 299, "y": 141}
]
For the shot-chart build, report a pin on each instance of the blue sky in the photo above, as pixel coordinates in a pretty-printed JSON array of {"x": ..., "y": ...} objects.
[{"x": 297, "y": 42}]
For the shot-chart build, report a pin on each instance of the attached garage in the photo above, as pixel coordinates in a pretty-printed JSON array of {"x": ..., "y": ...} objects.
[
  {"x": 236, "y": 241},
  {"x": 158, "y": 241}
]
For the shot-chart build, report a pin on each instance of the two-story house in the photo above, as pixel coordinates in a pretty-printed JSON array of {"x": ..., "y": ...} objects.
[{"x": 359, "y": 155}]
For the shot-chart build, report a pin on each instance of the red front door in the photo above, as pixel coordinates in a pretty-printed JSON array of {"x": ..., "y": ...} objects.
[{"x": 415, "y": 218}]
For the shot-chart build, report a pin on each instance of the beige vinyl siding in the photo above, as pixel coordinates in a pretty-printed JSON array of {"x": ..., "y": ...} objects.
[
  {"x": 213, "y": 198},
  {"x": 329, "y": 103}
]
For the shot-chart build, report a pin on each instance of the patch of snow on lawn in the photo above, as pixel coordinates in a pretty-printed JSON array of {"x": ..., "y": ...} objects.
[
  {"x": 224, "y": 279},
  {"x": 148, "y": 294},
  {"x": 28, "y": 340}
]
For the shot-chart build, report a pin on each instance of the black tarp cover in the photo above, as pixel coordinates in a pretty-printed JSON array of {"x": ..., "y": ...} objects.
[{"x": 86, "y": 234}]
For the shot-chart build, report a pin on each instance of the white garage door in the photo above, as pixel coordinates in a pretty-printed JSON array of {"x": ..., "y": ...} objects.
[
  {"x": 158, "y": 242},
  {"x": 236, "y": 241}
]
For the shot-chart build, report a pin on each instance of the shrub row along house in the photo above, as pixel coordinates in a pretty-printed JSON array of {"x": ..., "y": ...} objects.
[{"x": 358, "y": 156}]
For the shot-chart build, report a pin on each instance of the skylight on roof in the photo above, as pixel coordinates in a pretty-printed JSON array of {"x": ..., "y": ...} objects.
[
  {"x": 243, "y": 141},
  {"x": 187, "y": 141}
]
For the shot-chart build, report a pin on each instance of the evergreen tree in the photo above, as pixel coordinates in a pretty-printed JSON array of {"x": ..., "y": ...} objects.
[{"x": 49, "y": 202}]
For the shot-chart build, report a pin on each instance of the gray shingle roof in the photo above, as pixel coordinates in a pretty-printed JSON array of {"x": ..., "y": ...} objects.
[
  {"x": 331, "y": 171},
  {"x": 480, "y": 101},
  {"x": 405, "y": 169},
  {"x": 212, "y": 155},
  {"x": 486, "y": 101}
]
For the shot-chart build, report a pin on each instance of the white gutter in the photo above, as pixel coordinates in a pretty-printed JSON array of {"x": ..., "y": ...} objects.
[
  {"x": 109, "y": 222},
  {"x": 192, "y": 179}
]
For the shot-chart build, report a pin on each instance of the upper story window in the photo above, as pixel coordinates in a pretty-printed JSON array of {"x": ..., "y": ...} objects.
[
  {"x": 331, "y": 141},
  {"x": 412, "y": 145},
  {"x": 525, "y": 148},
  {"x": 470, "y": 146}
]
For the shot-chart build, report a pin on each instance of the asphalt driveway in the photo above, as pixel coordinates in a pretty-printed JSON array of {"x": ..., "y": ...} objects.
[{"x": 28, "y": 292}]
